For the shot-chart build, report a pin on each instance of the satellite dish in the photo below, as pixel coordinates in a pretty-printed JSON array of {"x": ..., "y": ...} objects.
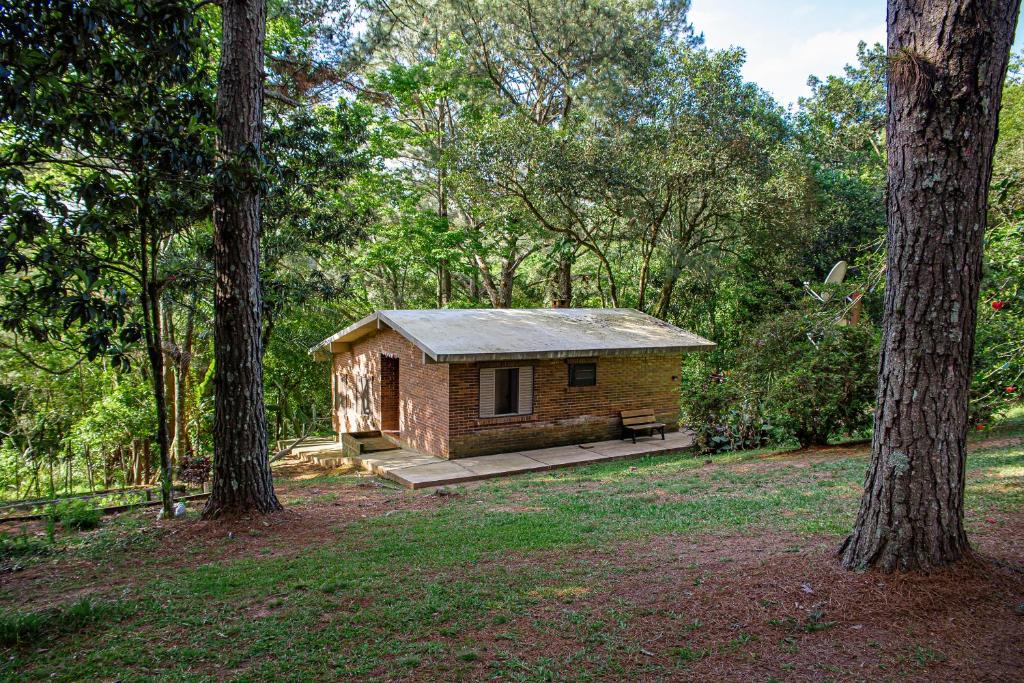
[
  {"x": 837, "y": 274},
  {"x": 835, "y": 277}
]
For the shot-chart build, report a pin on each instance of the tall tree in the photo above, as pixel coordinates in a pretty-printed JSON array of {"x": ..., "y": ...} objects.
[
  {"x": 242, "y": 479},
  {"x": 102, "y": 161},
  {"x": 947, "y": 65}
]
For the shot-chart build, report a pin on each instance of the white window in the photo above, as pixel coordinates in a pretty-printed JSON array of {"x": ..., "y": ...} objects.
[{"x": 506, "y": 391}]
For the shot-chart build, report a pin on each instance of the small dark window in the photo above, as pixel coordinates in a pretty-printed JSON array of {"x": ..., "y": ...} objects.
[
  {"x": 582, "y": 374},
  {"x": 506, "y": 391}
]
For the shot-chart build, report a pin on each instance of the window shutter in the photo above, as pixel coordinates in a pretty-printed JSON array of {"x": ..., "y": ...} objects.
[
  {"x": 487, "y": 392},
  {"x": 526, "y": 390}
]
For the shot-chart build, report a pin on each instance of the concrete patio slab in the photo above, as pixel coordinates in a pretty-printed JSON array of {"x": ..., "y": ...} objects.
[
  {"x": 396, "y": 459},
  {"x": 434, "y": 474},
  {"x": 419, "y": 470},
  {"x": 560, "y": 458},
  {"x": 499, "y": 464},
  {"x": 614, "y": 449}
]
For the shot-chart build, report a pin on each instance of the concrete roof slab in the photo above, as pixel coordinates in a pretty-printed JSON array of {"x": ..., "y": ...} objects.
[{"x": 480, "y": 334}]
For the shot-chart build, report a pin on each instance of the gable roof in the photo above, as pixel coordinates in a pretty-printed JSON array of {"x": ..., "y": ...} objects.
[{"x": 480, "y": 334}]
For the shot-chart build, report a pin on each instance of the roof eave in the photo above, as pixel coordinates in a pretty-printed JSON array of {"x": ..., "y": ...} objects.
[
  {"x": 322, "y": 351},
  {"x": 565, "y": 354}
]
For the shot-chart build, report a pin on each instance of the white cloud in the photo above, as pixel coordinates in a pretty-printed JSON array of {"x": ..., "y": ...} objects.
[
  {"x": 784, "y": 74},
  {"x": 788, "y": 41}
]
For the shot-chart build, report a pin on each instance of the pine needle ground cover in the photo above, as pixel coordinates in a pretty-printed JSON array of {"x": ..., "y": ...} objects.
[{"x": 666, "y": 568}]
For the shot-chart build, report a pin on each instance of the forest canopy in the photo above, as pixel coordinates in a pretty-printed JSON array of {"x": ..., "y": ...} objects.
[{"x": 448, "y": 153}]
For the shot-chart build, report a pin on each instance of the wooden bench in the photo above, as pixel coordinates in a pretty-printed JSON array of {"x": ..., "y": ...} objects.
[{"x": 642, "y": 420}]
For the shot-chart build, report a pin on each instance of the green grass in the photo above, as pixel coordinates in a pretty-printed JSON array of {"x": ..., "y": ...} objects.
[{"x": 392, "y": 595}]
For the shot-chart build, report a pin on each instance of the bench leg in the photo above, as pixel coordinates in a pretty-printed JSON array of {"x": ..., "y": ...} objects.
[
  {"x": 662, "y": 433},
  {"x": 634, "y": 436}
]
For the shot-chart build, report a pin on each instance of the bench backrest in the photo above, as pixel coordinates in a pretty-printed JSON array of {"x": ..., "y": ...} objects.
[{"x": 637, "y": 417}]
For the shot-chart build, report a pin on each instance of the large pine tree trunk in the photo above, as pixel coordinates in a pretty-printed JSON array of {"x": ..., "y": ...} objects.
[
  {"x": 947, "y": 64},
  {"x": 242, "y": 480}
]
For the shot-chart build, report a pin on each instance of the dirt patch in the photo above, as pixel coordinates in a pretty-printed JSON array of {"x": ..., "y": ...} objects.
[
  {"x": 320, "y": 518},
  {"x": 296, "y": 468},
  {"x": 1006, "y": 442},
  {"x": 770, "y": 605}
]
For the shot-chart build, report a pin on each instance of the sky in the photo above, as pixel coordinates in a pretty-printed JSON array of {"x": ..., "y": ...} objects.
[{"x": 788, "y": 40}]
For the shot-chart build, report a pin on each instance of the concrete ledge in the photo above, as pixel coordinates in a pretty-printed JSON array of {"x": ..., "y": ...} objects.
[{"x": 416, "y": 470}]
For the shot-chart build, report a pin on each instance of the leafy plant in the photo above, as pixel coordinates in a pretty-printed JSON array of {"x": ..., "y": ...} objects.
[
  {"x": 76, "y": 514},
  {"x": 726, "y": 419},
  {"x": 817, "y": 378},
  {"x": 18, "y": 546}
]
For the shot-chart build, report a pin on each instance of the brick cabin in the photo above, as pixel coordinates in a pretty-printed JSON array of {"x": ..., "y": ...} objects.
[{"x": 465, "y": 382}]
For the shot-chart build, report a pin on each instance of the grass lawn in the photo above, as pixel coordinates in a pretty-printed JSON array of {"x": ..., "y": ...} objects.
[{"x": 665, "y": 568}]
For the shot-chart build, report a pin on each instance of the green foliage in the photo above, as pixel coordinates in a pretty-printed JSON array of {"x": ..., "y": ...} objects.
[
  {"x": 106, "y": 110},
  {"x": 842, "y": 129},
  {"x": 76, "y": 514},
  {"x": 999, "y": 345},
  {"x": 126, "y": 412},
  {"x": 21, "y": 546},
  {"x": 724, "y": 417},
  {"x": 816, "y": 378},
  {"x": 19, "y": 628}
]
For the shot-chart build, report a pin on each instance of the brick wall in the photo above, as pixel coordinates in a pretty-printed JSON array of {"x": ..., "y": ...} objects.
[
  {"x": 562, "y": 414},
  {"x": 438, "y": 407},
  {"x": 422, "y": 391}
]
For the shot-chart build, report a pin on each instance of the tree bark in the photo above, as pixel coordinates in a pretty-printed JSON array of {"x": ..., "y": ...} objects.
[
  {"x": 947, "y": 64},
  {"x": 168, "y": 341},
  {"x": 444, "y": 274},
  {"x": 562, "y": 284},
  {"x": 148, "y": 252},
  {"x": 242, "y": 481},
  {"x": 183, "y": 361}
]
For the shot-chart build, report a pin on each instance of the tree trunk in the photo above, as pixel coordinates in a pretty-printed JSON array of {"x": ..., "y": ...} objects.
[
  {"x": 182, "y": 365},
  {"x": 149, "y": 249},
  {"x": 948, "y": 61},
  {"x": 562, "y": 295},
  {"x": 444, "y": 273},
  {"x": 147, "y": 462},
  {"x": 242, "y": 480},
  {"x": 474, "y": 287},
  {"x": 664, "y": 300},
  {"x": 170, "y": 394}
]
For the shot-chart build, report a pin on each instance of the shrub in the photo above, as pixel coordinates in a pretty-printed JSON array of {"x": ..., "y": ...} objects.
[
  {"x": 816, "y": 378},
  {"x": 195, "y": 471},
  {"x": 76, "y": 514},
  {"x": 724, "y": 418},
  {"x": 998, "y": 383}
]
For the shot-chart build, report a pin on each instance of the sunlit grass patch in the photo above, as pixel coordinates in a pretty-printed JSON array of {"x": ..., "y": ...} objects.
[{"x": 392, "y": 595}]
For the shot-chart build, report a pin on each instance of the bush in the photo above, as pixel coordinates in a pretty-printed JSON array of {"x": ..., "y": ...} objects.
[
  {"x": 76, "y": 514},
  {"x": 998, "y": 384},
  {"x": 195, "y": 471},
  {"x": 816, "y": 378},
  {"x": 724, "y": 419}
]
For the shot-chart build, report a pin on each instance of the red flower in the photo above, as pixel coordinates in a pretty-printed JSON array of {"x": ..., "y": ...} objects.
[
  {"x": 1010, "y": 390},
  {"x": 980, "y": 427},
  {"x": 998, "y": 305}
]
